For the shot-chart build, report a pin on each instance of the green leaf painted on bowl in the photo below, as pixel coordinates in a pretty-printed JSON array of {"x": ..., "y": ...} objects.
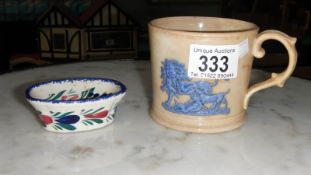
[
  {"x": 71, "y": 91},
  {"x": 85, "y": 94},
  {"x": 86, "y": 122},
  {"x": 98, "y": 110},
  {"x": 50, "y": 96},
  {"x": 83, "y": 112},
  {"x": 57, "y": 96},
  {"x": 56, "y": 114},
  {"x": 57, "y": 127},
  {"x": 96, "y": 120},
  {"x": 66, "y": 126}
]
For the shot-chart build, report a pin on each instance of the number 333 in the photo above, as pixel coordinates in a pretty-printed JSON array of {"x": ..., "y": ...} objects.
[{"x": 213, "y": 65}]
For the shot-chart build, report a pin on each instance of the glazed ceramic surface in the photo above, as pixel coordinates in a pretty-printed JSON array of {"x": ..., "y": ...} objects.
[
  {"x": 207, "y": 101},
  {"x": 77, "y": 104}
]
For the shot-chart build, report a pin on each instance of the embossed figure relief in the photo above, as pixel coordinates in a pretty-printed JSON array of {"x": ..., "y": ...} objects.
[{"x": 201, "y": 99}]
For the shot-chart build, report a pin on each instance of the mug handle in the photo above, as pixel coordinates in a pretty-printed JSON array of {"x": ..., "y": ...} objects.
[{"x": 277, "y": 79}]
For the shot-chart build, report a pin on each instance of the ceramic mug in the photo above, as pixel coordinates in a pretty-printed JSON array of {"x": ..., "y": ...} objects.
[{"x": 201, "y": 68}]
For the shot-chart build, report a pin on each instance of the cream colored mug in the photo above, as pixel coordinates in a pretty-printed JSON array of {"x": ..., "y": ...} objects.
[{"x": 201, "y": 68}]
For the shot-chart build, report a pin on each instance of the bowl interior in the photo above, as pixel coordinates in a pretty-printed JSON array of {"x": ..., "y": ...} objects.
[{"x": 74, "y": 89}]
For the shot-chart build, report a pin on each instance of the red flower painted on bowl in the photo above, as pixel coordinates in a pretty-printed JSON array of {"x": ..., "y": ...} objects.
[
  {"x": 102, "y": 114},
  {"x": 72, "y": 97},
  {"x": 46, "y": 119},
  {"x": 64, "y": 97}
]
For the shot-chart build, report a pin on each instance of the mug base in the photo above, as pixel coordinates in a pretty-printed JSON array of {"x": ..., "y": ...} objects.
[{"x": 201, "y": 124}]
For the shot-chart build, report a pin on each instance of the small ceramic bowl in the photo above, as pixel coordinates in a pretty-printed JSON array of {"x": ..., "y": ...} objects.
[{"x": 76, "y": 104}]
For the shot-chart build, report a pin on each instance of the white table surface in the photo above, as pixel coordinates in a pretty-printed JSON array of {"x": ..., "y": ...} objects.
[{"x": 276, "y": 140}]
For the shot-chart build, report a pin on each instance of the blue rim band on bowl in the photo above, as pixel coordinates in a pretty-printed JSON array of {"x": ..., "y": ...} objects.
[{"x": 121, "y": 91}]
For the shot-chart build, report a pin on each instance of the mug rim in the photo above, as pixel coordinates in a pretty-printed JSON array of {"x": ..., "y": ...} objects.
[
  {"x": 30, "y": 98},
  {"x": 252, "y": 27}
]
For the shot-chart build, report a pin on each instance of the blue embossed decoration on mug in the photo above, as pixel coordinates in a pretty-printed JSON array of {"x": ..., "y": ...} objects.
[{"x": 202, "y": 100}]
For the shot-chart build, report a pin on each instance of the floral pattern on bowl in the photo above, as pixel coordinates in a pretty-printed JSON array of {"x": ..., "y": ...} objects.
[
  {"x": 76, "y": 104},
  {"x": 67, "y": 121},
  {"x": 73, "y": 95}
]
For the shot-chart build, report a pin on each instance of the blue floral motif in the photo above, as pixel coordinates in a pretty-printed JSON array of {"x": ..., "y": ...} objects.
[{"x": 202, "y": 101}]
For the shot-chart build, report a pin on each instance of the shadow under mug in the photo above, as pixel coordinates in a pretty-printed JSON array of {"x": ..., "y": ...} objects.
[{"x": 201, "y": 68}]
